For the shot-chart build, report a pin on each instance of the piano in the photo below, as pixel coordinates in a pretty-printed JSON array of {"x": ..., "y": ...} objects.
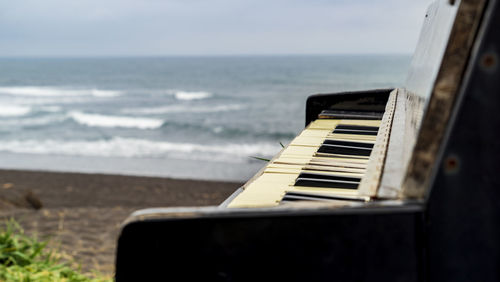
[{"x": 382, "y": 185}]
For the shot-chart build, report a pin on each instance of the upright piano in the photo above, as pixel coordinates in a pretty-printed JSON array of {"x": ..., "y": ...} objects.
[{"x": 382, "y": 185}]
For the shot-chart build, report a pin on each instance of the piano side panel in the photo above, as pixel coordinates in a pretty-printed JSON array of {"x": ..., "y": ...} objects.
[
  {"x": 464, "y": 204},
  {"x": 404, "y": 130},
  {"x": 366, "y": 244}
]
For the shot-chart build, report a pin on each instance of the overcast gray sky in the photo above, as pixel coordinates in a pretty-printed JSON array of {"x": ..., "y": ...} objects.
[{"x": 208, "y": 27}]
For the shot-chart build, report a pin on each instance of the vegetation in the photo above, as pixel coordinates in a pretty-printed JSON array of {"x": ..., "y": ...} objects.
[
  {"x": 264, "y": 159},
  {"x": 25, "y": 258}
]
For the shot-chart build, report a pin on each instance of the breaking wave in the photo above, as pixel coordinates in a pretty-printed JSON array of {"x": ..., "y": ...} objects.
[
  {"x": 184, "y": 95},
  {"x": 131, "y": 147},
  {"x": 13, "y": 110},
  {"x": 99, "y": 120}
]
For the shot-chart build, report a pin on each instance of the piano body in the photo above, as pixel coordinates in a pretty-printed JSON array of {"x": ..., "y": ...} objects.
[{"x": 382, "y": 185}]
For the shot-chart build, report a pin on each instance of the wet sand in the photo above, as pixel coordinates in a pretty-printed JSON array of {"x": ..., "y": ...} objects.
[{"x": 81, "y": 213}]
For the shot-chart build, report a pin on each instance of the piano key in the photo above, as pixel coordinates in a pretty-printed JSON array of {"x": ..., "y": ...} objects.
[
  {"x": 334, "y": 168},
  {"x": 300, "y": 168},
  {"x": 322, "y": 133},
  {"x": 348, "y": 143},
  {"x": 323, "y": 191},
  {"x": 355, "y": 132},
  {"x": 345, "y": 164},
  {"x": 344, "y": 150},
  {"x": 323, "y": 124},
  {"x": 299, "y": 151},
  {"x": 326, "y": 181},
  {"x": 307, "y": 141},
  {"x": 291, "y": 168},
  {"x": 327, "y": 176},
  {"x": 295, "y": 172},
  {"x": 316, "y": 141},
  {"x": 329, "y": 158},
  {"x": 361, "y": 122},
  {"x": 296, "y": 196},
  {"x": 357, "y": 127},
  {"x": 339, "y": 114},
  {"x": 309, "y": 151},
  {"x": 266, "y": 190},
  {"x": 352, "y": 137},
  {"x": 347, "y": 157},
  {"x": 340, "y": 162}
]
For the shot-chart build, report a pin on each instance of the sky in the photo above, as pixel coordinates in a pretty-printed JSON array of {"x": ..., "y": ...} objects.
[{"x": 59, "y": 28}]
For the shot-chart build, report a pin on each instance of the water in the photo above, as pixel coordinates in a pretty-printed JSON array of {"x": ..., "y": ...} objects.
[{"x": 185, "y": 117}]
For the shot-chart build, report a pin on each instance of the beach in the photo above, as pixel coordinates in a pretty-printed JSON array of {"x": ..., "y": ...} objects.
[
  {"x": 162, "y": 119},
  {"x": 81, "y": 213}
]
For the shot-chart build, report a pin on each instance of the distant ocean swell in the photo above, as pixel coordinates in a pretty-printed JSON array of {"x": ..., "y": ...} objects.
[
  {"x": 53, "y": 91},
  {"x": 12, "y": 110},
  {"x": 42, "y": 91},
  {"x": 183, "y": 109}
]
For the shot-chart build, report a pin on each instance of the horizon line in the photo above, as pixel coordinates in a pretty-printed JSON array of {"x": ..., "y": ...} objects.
[{"x": 198, "y": 55}]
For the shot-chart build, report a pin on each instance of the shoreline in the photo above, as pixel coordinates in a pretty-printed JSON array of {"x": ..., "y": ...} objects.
[
  {"x": 70, "y": 189},
  {"x": 82, "y": 213}
]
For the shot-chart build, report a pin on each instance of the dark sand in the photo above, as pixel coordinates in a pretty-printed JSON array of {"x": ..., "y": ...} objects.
[{"x": 82, "y": 213}]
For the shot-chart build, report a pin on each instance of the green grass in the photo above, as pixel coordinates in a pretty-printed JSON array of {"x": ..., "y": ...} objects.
[
  {"x": 264, "y": 159},
  {"x": 25, "y": 258}
]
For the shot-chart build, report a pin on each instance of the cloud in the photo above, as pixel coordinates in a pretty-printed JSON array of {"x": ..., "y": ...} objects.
[{"x": 196, "y": 27}]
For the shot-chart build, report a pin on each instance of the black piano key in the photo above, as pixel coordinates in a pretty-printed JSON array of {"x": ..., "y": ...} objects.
[
  {"x": 326, "y": 181},
  {"x": 344, "y": 150},
  {"x": 356, "y": 127},
  {"x": 328, "y": 176},
  {"x": 355, "y": 132},
  {"x": 339, "y": 114},
  {"x": 323, "y": 183},
  {"x": 294, "y": 196},
  {"x": 348, "y": 143}
]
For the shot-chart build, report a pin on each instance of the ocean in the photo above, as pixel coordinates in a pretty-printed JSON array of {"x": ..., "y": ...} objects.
[{"x": 182, "y": 117}]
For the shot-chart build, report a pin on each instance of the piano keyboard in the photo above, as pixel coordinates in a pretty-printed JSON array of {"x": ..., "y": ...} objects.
[{"x": 325, "y": 162}]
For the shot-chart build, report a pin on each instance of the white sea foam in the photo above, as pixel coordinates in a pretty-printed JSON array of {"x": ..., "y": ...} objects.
[
  {"x": 13, "y": 110},
  {"x": 44, "y": 91},
  {"x": 115, "y": 121},
  {"x": 131, "y": 147},
  {"x": 184, "y": 95},
  {"x": 182, "y": 109}
]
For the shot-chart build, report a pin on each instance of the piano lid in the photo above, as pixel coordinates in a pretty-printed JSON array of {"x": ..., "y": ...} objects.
[{"x": 425, "y": 104}]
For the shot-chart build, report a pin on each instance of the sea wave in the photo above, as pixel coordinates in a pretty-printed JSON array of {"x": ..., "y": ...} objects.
[
  {"x": 185, "y": 95},
  {"x": 44, "y": 91},
  {"x": 51, "y": 109},
  {"x": 132, "y": 147},
  {"x": 13, "y": 110},
  {"x": 98, "y": 120},
  {"x": 38, "y": 101},
  {"x": 182, "y": 109},
  {"x": 33, "y": 121}
]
